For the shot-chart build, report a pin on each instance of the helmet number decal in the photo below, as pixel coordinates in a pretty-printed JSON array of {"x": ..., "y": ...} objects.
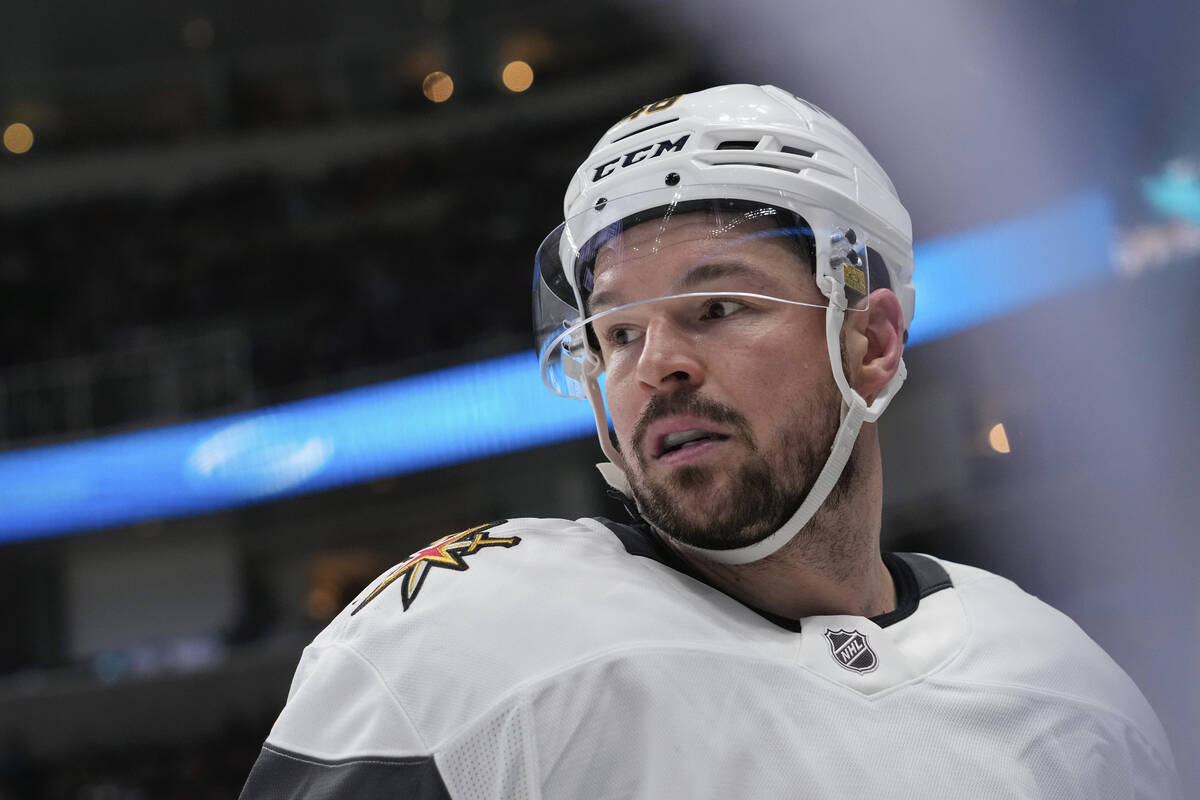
[{"x": 659, "y": 105}]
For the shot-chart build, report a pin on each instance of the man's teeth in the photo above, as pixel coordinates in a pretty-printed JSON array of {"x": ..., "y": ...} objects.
[{"x": 681, "y": 439}]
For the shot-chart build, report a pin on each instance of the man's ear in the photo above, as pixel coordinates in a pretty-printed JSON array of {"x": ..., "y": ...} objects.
[{"x": 874, "y": 342}]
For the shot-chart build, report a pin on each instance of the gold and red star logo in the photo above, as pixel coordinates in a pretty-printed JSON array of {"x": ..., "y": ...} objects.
[{"x": 449, "y": 552}]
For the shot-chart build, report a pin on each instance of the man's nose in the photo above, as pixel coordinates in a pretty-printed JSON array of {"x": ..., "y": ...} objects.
[{"x": 670, "y": 358}]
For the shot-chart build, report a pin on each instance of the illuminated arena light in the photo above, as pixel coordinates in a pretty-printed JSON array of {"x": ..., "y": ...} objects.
[
  {"x": 18, "y": 138},
  {"x": 517, "y": 76},
  {"x": 997, "y": 438},
  {"x": 412, "y": 424},
  {"x": 475, "y": 411},
  {"x": 438, "y": 87}
]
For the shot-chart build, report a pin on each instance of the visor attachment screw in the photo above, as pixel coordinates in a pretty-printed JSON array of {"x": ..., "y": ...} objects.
[
  {"x": 672, "y": 178},
  {"x": 601, "y": 203},
  {"x": 851, "y": 236}
]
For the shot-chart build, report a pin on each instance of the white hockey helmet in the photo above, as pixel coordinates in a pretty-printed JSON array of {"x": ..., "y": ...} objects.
[{"x": 740, "y": 153}]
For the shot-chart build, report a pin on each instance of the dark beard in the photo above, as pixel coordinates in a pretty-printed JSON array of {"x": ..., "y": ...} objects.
[{"x": 762, "y": 497}]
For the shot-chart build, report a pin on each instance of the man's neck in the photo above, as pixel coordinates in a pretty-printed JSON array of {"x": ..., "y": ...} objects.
[
  {"x": 788, "y": 585},
  {"x": 832, "y": 566}
]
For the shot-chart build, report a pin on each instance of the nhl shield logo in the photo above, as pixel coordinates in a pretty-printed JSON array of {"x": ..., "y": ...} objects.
[{"x": 851, "y": 650}]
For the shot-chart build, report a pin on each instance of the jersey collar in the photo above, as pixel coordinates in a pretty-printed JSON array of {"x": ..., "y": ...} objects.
[{"x": 916, "y": 576}]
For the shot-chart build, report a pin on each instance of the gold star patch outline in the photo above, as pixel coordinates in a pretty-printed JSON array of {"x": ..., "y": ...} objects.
[{"x": 449, "y": 552}]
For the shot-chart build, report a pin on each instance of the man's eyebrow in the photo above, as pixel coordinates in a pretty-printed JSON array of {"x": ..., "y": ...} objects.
[
  {"x": 702, "y": 273},
  {"x": 602, "y": 301},
  {"x": 696, "y": 276}
]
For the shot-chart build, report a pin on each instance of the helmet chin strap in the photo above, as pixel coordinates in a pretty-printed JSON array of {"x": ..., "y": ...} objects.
[
  {"x": 854, "y": 412},
  {"x": 613, "y": 470}
]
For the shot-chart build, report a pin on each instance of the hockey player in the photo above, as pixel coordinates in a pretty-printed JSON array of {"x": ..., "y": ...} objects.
[{"x": 733, "y": 280}]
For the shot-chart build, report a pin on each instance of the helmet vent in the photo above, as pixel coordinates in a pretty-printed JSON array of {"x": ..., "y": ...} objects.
[
  {"x": 786, "y": 165},
  {"x": 796, "y": 151},
  {"x": 646, "y": 128},
  {"x": 751, "y": 145}
]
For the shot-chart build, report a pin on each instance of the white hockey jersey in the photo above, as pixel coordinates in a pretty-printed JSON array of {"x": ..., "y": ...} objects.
[{"x": 542, "y": 658}]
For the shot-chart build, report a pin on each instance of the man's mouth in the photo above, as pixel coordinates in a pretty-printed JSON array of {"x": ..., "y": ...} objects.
[
  {"x": 681, "y": 440},
  {"x": 681, "y": 428}
]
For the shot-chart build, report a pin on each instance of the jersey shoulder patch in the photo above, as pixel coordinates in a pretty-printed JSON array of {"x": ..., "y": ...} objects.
[{"x": 449, "y": 552}]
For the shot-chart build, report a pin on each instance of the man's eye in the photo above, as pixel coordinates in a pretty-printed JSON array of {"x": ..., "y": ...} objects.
[
  {"x": 619, "y": 336},
  {"x": 716, "y": 309}
]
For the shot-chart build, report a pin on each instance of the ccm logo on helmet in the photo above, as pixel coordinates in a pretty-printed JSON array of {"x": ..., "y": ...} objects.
[{"x": 641, "y": 154}]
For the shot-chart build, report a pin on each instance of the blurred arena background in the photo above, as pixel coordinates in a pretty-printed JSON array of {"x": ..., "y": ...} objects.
[{"x": 265, "y": 279}]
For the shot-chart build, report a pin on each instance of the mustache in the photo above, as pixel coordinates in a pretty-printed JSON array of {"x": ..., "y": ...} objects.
[{"x": 690, "y": 403}]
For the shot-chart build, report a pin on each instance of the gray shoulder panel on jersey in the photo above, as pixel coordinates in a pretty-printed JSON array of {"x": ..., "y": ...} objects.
[{"x": 282, "y": 775}]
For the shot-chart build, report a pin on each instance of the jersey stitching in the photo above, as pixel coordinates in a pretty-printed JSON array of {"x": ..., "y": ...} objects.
[
  {"x": 344, "y": 762},
  {"x": 936, "y": 587},
  {"x": 519, "y": 706},
  {"x": 386, "y": 688},
  {"x": 970, "y": 580},
  {"x": 1021, "y": 689},
  {"x": 532, "y": 758},
  {"x": 530, "y": 684},
  {"x": 1031, "y": 691}
]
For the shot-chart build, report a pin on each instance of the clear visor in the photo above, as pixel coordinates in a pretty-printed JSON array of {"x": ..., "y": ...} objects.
[{"x": 602, "y": 275}]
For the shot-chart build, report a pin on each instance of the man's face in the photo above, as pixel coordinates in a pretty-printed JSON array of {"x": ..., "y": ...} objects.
[{"x": 724, "y": 407}]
